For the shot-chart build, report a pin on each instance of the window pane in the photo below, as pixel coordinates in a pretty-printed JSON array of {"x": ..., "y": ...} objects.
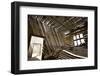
[
  {"x": 75, "y": 43},
  {"x": 74, "y": 37},
  {"x": 82, "y": 40},
  {"x": 81, "y": 35},
  {"x": 78, "y": 41},
  {"x": 77, "y": 36},
  {"x": 36, "y": 49}
]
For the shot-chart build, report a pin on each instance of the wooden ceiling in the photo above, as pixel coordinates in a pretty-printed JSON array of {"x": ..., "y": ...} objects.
[
  {"x": 53, "y": 29},
  {"x": 62, "y": 23}
]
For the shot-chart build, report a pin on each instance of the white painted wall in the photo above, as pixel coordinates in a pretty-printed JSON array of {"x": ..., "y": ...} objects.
[{"x": 5, "y": 39}]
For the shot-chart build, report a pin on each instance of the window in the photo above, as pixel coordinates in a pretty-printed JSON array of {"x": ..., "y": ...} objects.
[
  {"x": 35, "y": 48},
  {"x": 78, "y": 39}
]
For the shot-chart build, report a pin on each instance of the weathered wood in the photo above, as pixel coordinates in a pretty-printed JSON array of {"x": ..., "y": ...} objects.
[{"x": 53, "y": 29}]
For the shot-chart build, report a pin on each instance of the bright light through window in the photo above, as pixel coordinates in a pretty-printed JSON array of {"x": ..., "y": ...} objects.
[
  {"x": 82, "y": 40},
  {"x": 77, "y": 36},
  {"x": 74, "y": 37},
  {"x": 81, "y": 35},
  {"x": 75, "y": 43},
  {"x": 78, "y": 41}
]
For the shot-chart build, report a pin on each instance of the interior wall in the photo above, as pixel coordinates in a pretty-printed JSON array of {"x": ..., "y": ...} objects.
[{"x": 69, "y": 40}]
